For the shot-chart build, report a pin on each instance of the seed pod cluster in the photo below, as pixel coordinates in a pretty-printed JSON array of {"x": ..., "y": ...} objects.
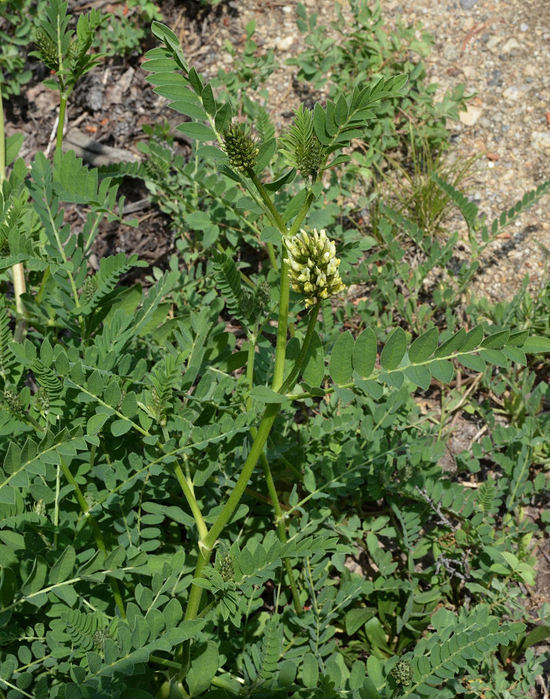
[{"x": 402, "y": 673}]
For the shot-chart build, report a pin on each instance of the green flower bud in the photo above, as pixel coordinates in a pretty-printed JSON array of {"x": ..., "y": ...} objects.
[
  {"x": 89, "y": 288},
  {"x": 48, "y": 49},
  {"x": 226, "y": 567},
  {"x": 262, "y": 298},
  {"x": 402, "y": 673},
  {"x": 309, "y": 158},
  {"x": 14, "y": 404},
  {"x": 313, "y": 266},
  {"x": 240, "y": 147}
]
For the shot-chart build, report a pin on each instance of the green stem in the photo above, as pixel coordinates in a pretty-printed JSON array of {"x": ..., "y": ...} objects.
[
  {"x": 98, "y": 536},
  {"x": 252, "y": 337},
  {"x": 62, "y": 109},
  {"x": 187, "y": 490},
  {"x": 272, "y": 409},
  {"x": 163, "y": 661},
  {"x": 40, "y": 295},
  {"x": 264, "y": 194},
  {"x": 281, "y": 531},
  {"x": 301, "y": 215},
  {"x": 291, "y": 379},
  {"x": 230, "y": 506},
  {"x": 282, "y": 328}
]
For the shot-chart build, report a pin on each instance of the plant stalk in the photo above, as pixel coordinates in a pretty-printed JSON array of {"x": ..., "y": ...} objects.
[
  {"x": 187, "y": 490},
  {"x": 61, "y": 120},
  {"x": 206, "y": 545}
]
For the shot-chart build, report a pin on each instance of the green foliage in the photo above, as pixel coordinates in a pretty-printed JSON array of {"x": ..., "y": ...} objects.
[
  {"x": 64, "y": 52},
  {"x": 16, "y": 30},
  {"x": 370, "y": 50},
  {"x": 194, "y": 501},
  {"x": 127, "y": 27}
]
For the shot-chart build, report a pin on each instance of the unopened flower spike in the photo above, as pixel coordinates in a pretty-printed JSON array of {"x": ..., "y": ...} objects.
[
  {"x": 240, "y": 147},
  {"x": 313, "y": 266}
]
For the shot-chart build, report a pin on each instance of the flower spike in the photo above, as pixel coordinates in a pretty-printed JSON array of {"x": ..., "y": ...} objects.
[{"x": 313, "y": 266}]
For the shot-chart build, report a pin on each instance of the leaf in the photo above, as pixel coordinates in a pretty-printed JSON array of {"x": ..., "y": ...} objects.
[
  {"x": 340, "y": 365},
  {"x": 394, "y": 350},
  {"x": 96, "y": 422},
  {"x": 419, "y": 375},
  {"x": 120, "y": 427},
  {"x": 319, "y": 124},
  {"x": 199, "y": 132},
  {"x": 287, "y": 178},
  {"x": 496, "y": 340},
  {"x": 13, "y": 540},
  {"x": 452, "y": 345},
  {"x": 203, "y": 668},
  {"x": 424, "y": 346},
  {"x": 63, "y": 567},
  {"x": 208, "y": 100},
  {"x": 442, "y": 370},
  {"x": 473, "y": 339},
  {"x": 187, "y": 107},
  {"x": 314, "y": 371},
  {"x": 536, "y": 344},
  {"x": 472, "y": 361},
  {"x": 356, "y": 618},
  {"x": 264, "y": 394},
  {"x": 364, "y": 353},
  {"x": 310, "y": 671},
  {"x": 374, "y": 669}
]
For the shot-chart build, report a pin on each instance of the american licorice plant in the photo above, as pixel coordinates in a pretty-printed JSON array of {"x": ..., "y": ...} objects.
[{"x": 168, "y": 496}]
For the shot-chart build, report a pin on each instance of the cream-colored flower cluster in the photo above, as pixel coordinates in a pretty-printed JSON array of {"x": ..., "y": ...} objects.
[{"x": 313, "y": 266}]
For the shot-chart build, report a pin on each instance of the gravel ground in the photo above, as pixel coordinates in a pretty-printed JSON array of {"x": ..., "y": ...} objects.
[{"x": 500, "y": 50}]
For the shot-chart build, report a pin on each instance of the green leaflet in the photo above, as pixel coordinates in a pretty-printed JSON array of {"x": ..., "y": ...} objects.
[{"x": 340, "y": 364}]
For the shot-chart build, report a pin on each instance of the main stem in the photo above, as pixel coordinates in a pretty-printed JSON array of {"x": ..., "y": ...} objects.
[
  {"x": 207, "y": 544},
  {"x": 61, "y": 120}
]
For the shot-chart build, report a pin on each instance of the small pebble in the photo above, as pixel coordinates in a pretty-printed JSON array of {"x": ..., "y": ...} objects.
[
  {"x": 541, "y": 139},
  {"x": 471, "y": 115},
  {"x": 467, "y": 4},
  {"x": 511, "y": 46},
  {"x": 450, "y": 52},
  {"x": 95, "y": 98},
  {"x": 523, "y": 27},
  {"x": 285, "y": 44},
  {"x": 511, "y": 93},
  {"x": 493, "y": 42}
]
